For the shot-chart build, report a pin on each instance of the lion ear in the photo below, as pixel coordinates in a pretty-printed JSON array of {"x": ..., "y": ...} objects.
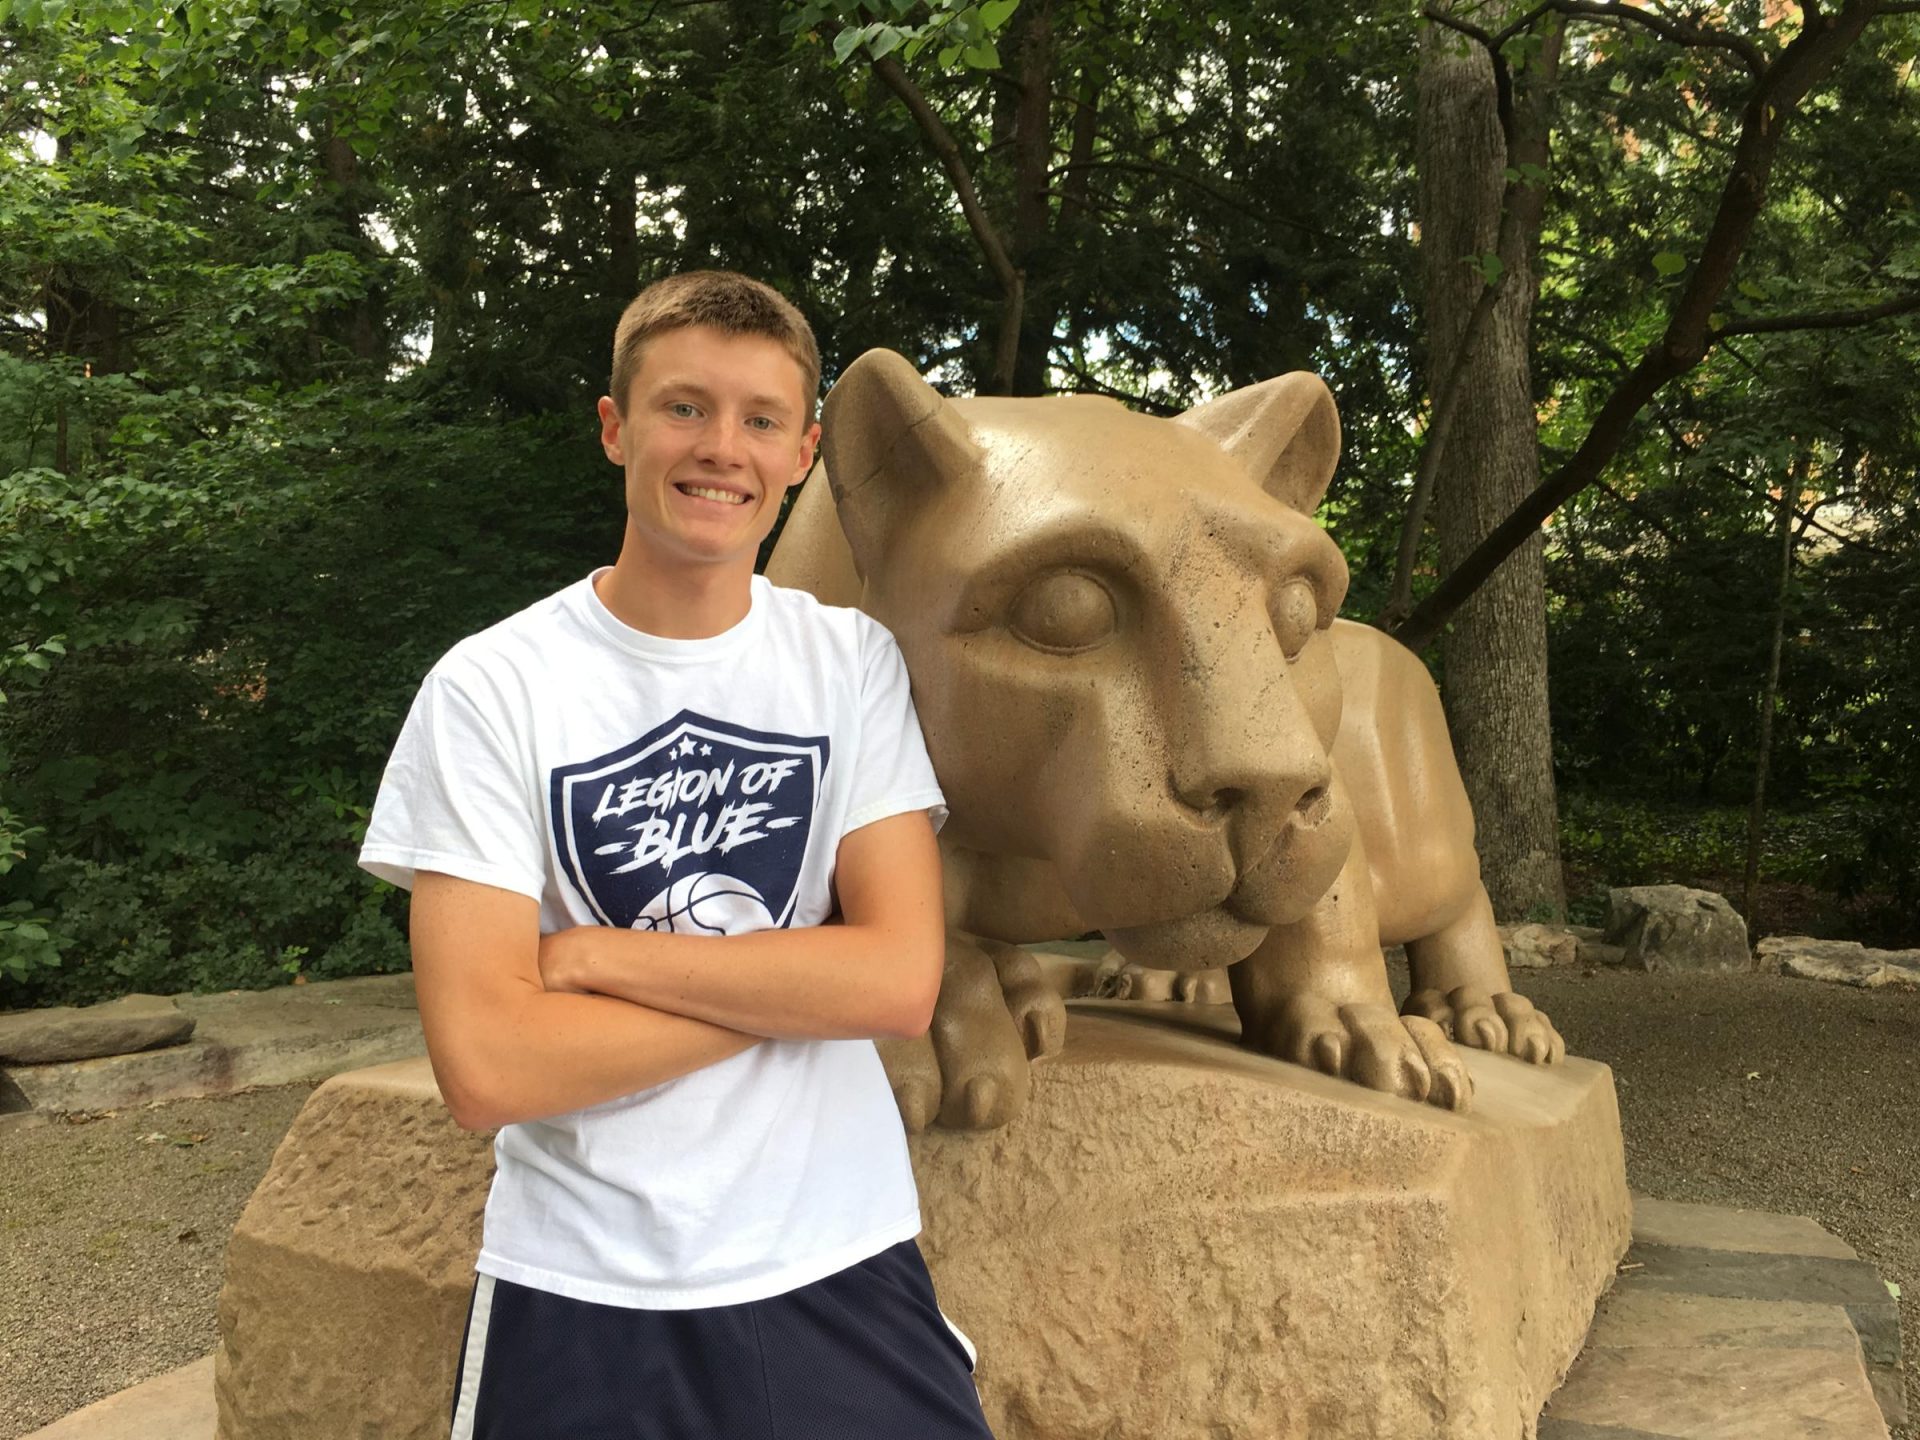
[
  {"x": 1286, "y": 431},
  {"x": 889, "y": 440}
]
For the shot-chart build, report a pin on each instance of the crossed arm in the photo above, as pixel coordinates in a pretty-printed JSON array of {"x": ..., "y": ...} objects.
[{"x": 519, "y": 1027}]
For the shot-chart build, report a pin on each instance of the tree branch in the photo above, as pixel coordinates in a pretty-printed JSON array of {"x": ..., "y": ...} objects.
[
  {"x": 1777, "y": 93},
  {"x": 1012, "y": 283},
  {"x": 1827, "y": 320},
  {"x": 1680, "y": 32}
]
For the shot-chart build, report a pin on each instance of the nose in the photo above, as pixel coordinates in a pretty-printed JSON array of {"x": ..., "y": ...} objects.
[
  {"x": 719, "y": 442},
  {"x": 1241, "y": 735}
]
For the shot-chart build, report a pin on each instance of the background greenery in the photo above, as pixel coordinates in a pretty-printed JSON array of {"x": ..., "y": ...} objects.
[{"x": 304, "y": 308}]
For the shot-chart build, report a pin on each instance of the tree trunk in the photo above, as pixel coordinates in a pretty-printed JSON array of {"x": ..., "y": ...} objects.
[
  {"x": 1495, "y": 656},
  {"x": 346, "y": 206},
  {"x": 1032, "y": 207},
  {"x": 1770, "y": 689}
]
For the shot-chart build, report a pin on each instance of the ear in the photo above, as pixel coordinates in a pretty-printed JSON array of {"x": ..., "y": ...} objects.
[
  {"x": 890, "y": 440},
  {"x": 1286, "y": 432}
]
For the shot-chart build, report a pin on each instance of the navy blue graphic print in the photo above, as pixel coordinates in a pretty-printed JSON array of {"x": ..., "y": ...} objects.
[{"x": 698, "y": 826}]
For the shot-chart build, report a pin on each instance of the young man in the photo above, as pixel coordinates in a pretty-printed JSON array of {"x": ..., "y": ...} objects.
[{"x": 627, "y": 815}]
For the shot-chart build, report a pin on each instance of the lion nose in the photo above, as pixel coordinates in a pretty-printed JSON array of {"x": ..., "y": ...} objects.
[{"x": 1307, "y": 797}]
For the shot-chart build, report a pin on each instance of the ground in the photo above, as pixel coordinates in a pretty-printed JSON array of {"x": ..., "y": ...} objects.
[{"x": 1751, "y": 1090}]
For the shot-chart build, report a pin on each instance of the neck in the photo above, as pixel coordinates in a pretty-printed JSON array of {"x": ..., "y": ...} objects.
[{"x": 684, "y": 601}]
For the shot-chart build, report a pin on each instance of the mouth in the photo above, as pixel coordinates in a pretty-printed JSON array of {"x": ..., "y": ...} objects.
[{"x": 714, "y": 494}]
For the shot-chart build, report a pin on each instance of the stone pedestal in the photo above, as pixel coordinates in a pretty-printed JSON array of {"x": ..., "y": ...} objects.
[{"x": 1179, "y": 1239}]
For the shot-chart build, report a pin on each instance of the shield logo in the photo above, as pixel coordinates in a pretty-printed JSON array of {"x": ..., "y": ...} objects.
[{"x": 698, "y": 826}]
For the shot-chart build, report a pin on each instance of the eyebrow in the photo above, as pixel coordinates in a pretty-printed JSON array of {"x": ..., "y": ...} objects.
[{"x": 775, "y": 403}]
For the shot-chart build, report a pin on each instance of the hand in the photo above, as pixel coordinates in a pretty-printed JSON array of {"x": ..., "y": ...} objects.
[{"x": 560, "y": 953}]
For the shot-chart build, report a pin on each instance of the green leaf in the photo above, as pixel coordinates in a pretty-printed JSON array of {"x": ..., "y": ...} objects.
[
  {"x": 1488, "y": 267},
  {"x": 982, "y": 55},
  {"x": 847, "y": 41},
  {"x": 887, "y": 41},
  {"x": 1669, "y": 262},
  {"x": 996, "y": 13}
]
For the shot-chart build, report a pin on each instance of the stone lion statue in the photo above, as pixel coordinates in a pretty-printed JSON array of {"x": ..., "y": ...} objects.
[{"x": 1149, "y": 722}]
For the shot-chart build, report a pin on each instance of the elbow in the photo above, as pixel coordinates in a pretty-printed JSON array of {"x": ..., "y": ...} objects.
[
  {"x": 912, "y": 1016},
  {"x": 473, "y": 1108}
]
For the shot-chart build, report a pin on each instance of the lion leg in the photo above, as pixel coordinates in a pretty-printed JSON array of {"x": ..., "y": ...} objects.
[
  {"x": 1316, "y": 993},
  {"x": 995, "y": 1014},
  {"x": 1460, "y": 983}
]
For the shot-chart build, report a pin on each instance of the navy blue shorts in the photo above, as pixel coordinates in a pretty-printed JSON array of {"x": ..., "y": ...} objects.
[{"x": 861, "y": 1355}]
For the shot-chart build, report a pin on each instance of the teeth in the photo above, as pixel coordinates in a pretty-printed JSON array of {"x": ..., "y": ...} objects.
[{"x": 725, "y": 497}]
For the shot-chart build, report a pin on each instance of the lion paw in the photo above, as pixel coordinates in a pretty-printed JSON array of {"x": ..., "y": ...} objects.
[
  {"x": 1370, "y": 1045},
  {"x": 1504, "y": 1023},
  {"x": 1119, "y": 979},
  {"x": 996, "y": 1013}
]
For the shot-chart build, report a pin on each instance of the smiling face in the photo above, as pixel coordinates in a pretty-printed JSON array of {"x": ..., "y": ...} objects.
[{"x": 716, "y": 427}]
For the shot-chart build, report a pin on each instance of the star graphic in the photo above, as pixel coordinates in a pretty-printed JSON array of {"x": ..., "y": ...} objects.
[
  {"x": 686, "y": 747},
  {"x": 706, "y": 749}
]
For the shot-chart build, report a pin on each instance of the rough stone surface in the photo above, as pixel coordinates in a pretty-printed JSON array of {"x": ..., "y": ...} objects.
[
  {"x": 1671, "y": 927},
  {"x": 1533, "y": 947},
  {"x": 1843, "y": 962},
  {"x": 118, "y": 1027},
  {"x": 349, "y": 1270},
  {"x": 1180, "y": 1238},
  {"x": 240, "y": 1039}
]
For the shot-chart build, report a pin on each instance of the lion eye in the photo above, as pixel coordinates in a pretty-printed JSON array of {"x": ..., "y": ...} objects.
[
  {"x": 1064, "y": 612},
  {"x": 1296, "y": 615}
]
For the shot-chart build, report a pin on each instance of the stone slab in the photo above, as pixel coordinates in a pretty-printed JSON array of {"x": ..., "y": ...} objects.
[
  {"x": 1720, "y": 1227},
  {"x": 175, "y": 1406},
  {"x": 1297, "y": 1256},
  {"x": 1853, "y": 1285},
  {"x": 240, "y": 1039},
  {"x": 1721, "y": 1393},
  {"x": 1843, "y": 962},
  {"x": 1633, "y": 1318},
  {"x": 115, "y": 1027},
  {"x": 1734, "y": 1323}
]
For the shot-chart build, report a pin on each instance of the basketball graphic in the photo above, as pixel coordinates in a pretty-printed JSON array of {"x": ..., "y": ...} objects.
[{"x": 707, "y": 903}]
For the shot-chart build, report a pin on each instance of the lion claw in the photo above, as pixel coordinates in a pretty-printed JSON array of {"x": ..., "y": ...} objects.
[
  {"x": 1503, "y": 1023},
  {"x": 1370, "y": 1045}
]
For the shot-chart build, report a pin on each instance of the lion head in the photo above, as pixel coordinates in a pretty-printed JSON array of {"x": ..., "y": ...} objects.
[{"x": 1117, "y": 629}]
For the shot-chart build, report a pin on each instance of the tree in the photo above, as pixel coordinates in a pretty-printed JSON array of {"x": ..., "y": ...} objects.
[{"x": 1479, "y": 233}]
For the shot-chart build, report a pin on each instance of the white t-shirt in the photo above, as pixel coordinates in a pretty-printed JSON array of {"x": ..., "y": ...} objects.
[{"x": 703, "y": 785}]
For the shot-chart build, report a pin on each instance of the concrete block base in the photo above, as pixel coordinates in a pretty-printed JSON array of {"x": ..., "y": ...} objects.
[{"x": 1179, "y": 1238}]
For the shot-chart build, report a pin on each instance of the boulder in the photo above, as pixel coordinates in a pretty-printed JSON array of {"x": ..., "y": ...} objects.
[
  {"x": 118, "y": 1027},
  {"x": 1672, "y": 927},
  {"x": 1534, "y": 947},
  {"x": 1178, "y": 1238},
  {"x": 1843, "y": 962}
]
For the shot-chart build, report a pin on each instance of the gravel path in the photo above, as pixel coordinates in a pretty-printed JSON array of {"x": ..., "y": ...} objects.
[
  {"x": 112, "y": 1237},
  {"x": 1757, "y": 1091}
]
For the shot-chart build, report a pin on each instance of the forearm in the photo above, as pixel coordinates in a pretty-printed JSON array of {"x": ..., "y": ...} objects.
[
  {"x": 827, "y": 983},
  {"x": 532, "y": 1054}
]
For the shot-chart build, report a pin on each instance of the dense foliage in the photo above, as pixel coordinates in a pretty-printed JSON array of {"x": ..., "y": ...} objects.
[{"x": 305, "y": 308}]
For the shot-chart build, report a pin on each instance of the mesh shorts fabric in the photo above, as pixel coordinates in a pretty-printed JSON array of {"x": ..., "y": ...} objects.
[{"x": 865, "y": 1354}]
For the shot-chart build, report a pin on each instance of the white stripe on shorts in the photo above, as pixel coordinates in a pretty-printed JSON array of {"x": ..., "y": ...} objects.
[{"x": 469, "y": 1400}]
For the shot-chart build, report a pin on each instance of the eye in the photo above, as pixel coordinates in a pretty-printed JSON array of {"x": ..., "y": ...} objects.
[
  {"x": 1296, "y": 615},
  {"x": 1065, "y": 612},
  {"x": 682, "y": 410},
  {"x": 762, "y": 423}
]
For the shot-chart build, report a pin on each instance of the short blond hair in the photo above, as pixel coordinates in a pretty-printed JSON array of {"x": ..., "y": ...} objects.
[{"x": 723, "y": 300}]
